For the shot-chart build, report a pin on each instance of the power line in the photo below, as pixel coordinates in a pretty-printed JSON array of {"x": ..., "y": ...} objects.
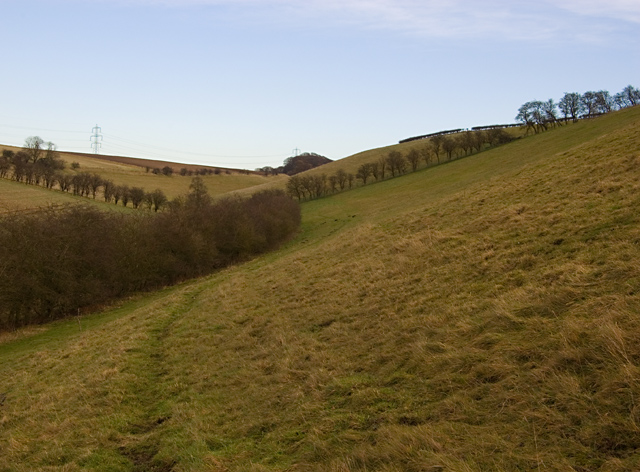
[
  {"x": 165, "y": 149},
  {"x": 97, "y": 143},
  {"x": 41, "y": 129}
]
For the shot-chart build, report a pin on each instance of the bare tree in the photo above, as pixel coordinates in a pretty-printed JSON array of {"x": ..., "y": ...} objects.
[
  {"x": 449, "y": 146},
  {"x": 533, "y": 115},
  {"x": 631, "y": 96},
  {"x": 95, "y": 182},
  {"x": 80, "y": 184},
  {"x": 525, "y": 115},
  {"x": 382, "y": 165},
  {"x": 137, "y": 196},
  {"x": 319, "y": 184},
  {"x": 108, "y": 190},
  {"x": 571, "y": 106},
  {"x": 465, "y": 142},
  {"x": 33, "y": 146},
  {"x": 125, "y": 194},
  {"x": 342, "y": 177},
  {"x": 375, "y": 170},
  {"x": 157, "y": 199},
  {"x": 396, "y": 163},
  {"x": 65, "y": 181},
  {"x": 198, "y": 196},
  {"x": 426, "y": 155},
  {"x": 604, "y": 102},
  {"x": 308, "y": 185},
  {"x": 589, "y": 102},
  {"x": 436, "y": 144},
  {"x": 364, "y": 171},
  {"x": 294, "y": 187},
  {"x": 5, "y": 166},
  {"x": 413, "y": 156},
  {"x": 550, "y": 110},
  {"x": 497, "y": 136},
  {"x": 333, "y": 182},
  {"x": 479, "y": 138},
  {"x": 350, "y": 179}
]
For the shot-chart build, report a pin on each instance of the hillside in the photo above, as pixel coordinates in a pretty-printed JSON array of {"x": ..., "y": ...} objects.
[
  {"x": 18, "y": 197},
  {"x": 134, "y": 173},
  {"x": 479, "y": 315}
]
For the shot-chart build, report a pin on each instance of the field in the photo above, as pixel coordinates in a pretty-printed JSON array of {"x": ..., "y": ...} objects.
[
  {"x": 18, "y": 197},
  {"x": 128, "y": 173},
  {"x": 479, "y": 315}
]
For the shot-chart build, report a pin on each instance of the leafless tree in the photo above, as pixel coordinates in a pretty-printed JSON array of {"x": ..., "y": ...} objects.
[
  {"x": 33, "y": 146},
  {"x": 396, "y": 163},
  {"x": 364, "y": 171},
  {"x": 342, "y": 177},
  {"x": 571, "y": 106},
  {"x": 449, "y": 145},
  {"x": 157, "y": 199},
  {"x": 413, "y": 156},
  {"x": 436, "y": 144},
  {"x": 426, "y": 154}
]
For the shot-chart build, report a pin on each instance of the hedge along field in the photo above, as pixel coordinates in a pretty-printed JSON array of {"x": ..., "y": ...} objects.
[
  {"x": 19, "y": 197},
  {"x": 58, "y": 262},
  {"x": 218, "y": 181}
]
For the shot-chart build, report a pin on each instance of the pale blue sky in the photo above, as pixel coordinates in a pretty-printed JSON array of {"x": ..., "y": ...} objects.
[{"x": 241, "y": 83}]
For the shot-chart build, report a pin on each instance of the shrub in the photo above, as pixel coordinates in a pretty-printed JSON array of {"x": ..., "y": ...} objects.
[{"x": 55, "y": 263}]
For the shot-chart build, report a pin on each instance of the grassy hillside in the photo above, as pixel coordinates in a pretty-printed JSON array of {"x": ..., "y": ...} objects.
[
  {"x": 135, "y": 175},
  {"x": 19, "y": 197},
  {"x": 480, "y": 315}
]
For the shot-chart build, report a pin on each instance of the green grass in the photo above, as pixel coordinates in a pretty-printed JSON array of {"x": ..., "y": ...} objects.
[{"x": 480, "y": 315}]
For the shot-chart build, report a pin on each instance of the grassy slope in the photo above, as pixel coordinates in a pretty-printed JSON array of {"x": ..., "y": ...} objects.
[
  {"x": 133, "y": 176},
  {"x": 19, "y": 197},
  {"x": 482, "y": 315}
]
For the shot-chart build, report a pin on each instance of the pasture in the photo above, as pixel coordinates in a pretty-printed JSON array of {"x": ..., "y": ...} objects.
[{"x": 479, "y": 315}]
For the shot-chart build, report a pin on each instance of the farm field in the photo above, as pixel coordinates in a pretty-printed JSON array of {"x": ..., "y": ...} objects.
[
  {"x": 479, "y": 315},
  {"x": 126, "y": 173},
  {"x": 19, "y": 197}
]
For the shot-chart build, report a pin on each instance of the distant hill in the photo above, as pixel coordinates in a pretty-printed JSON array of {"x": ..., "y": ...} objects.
[{"x": 136, "y": 161}]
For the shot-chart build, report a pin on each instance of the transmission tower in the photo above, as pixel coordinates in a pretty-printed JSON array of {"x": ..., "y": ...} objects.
[
  {"x": 96, "y": 139},
  {"x": 296, "y": 152}
]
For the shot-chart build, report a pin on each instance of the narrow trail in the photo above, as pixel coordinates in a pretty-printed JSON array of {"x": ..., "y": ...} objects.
[{"x": 140, "y": 443}]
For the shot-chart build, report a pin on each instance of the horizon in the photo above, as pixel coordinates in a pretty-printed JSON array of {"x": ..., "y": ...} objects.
[{"x": 242, "y": 84}]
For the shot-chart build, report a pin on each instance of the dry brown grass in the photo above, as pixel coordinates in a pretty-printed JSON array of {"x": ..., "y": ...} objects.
[
  {"x": 490, "y": 327},
  {"x": 133, "y": 173}
]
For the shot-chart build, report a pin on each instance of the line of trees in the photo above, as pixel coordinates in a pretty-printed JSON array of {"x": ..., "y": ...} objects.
[
  {"x": 539, "y": 115},
  {"x": 58, "y": 262},
  {"x": 39, "y": 164},
  {"x": 435, "y": 150}
]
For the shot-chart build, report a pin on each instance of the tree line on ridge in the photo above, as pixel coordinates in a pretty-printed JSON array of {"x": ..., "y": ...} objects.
[{"x": 446, "y": 145}]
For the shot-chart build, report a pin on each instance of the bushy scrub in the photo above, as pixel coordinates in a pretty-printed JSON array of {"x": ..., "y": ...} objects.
[{"x": 55, "y": 263}]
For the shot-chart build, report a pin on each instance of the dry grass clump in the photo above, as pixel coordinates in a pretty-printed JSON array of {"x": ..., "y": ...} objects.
[{"x": 491, "y": 328}]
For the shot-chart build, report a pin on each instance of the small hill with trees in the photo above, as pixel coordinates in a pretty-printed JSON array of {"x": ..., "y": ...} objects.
[{"x": 307, "y": 160}]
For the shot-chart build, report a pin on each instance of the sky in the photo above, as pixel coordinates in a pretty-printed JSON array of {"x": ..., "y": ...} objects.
[{"x": 248, "y": 83}]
